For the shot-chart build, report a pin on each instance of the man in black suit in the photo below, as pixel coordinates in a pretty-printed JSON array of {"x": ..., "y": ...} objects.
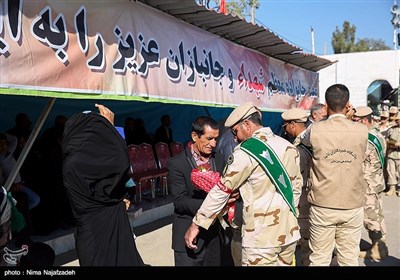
[
  {"x": 317, "y": 113},
  {"x": 164, "y": 132},
  {"x": 187, "y": 198}
]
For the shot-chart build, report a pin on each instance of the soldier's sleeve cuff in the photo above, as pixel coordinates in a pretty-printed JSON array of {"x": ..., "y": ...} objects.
[{"x": 202, "y": 221}]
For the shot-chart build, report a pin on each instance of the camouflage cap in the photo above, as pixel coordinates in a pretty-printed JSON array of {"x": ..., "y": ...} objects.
[
  {"x": 240, "y": 113},
  {"x": 395, "y": 117},
  {"x": 295, "y": 114},
  {"x": 384, "y": 114},
  {"x": 393, "y": 110},
  {"x": 362, "y": 111}
]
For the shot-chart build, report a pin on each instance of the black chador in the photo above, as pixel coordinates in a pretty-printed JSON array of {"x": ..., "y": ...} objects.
[{"x": 95, "y": 170}]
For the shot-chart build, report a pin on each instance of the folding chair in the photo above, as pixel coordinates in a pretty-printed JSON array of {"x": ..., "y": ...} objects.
[
  {"x": 144, "y": 167},
  {"x": 176, "y": 148},
  {"x": 163, "y": 154}
]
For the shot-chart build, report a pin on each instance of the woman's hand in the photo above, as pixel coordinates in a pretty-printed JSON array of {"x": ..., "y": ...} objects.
[
  {"x": 127, "y": 203},
  {"x": 105, "y": 112}
]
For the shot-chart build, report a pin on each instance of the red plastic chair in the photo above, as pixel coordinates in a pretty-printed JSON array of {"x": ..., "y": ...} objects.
[
  {"x": 176, "y": 148},
  {"x": 144, "y": 167},
  {"x": 148, "y": 154},
  {"x": 163, "y": 154}
]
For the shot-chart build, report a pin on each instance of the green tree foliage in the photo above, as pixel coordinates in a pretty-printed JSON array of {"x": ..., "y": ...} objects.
[
  {"x": 366, "y": 44},
  {"x": 239, "y": 8},
  {"x": 345, "y": 41},
  {"x": 243, "y": 8}
]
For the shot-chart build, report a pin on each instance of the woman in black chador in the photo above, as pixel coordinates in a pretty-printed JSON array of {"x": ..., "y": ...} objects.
[{"x": 95, "y": 171}]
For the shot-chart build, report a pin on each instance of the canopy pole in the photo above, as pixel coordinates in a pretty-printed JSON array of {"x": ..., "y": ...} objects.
[{"x": 29, "y": 143}]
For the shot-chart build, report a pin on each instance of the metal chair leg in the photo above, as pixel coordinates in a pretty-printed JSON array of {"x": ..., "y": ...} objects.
[
  {"x": 153, "y": 188},
  {"x": 140, "y": 191},
  {"x": 165, "y": 185}
]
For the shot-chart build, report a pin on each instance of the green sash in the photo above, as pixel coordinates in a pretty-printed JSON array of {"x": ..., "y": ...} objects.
[
  {"x": 271, "y": 164},
  {"x": 378, "y": 146}
]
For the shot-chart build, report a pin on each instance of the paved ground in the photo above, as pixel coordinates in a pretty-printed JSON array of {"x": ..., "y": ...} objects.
[
  {"x": 391, "y": 207},
  {"x": 154, "y": 240},
  {"x": 155, "y": 246}
]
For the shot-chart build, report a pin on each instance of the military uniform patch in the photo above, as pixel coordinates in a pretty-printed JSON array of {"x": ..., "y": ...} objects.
[{"x": 230, "y": 160}]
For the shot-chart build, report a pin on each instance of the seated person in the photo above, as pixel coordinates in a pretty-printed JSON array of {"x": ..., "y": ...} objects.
[
  {"x": 25, "y": 197},
  {"x": 8, "y": 144}
]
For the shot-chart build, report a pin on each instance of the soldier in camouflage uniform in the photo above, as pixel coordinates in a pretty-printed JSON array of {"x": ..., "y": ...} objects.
[
  {"x": 383, "y": 129},
  {"x": 374, "y": 220},
  {"x": 384, "y": 123},
  {"x": 393, "y": 112},
  {"x": 270, "y": 229},
  {"x": 375, "y": 121},
  {"x": 393, "y": 157},
  {"x": 295, "y": 125}
]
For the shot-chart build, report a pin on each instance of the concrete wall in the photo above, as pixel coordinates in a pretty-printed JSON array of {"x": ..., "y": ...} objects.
[{"x": 358, "y": 70}]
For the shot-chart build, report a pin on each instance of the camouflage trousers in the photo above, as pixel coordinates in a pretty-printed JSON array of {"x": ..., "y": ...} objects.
[
  {"x": 276, "y": 256},
  {"x": 393, "y": 170},
  {"x": 373, "y": 213},
  {"x": 304, "y": 224},
  {"x": 303, "y": 246},
  {"x": 236, "y": 247}
]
